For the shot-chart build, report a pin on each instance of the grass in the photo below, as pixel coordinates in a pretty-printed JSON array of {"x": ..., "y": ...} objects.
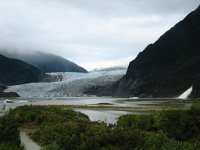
[
  {"x": 124, "y": 108},
  {"x": 179, "y": 102},
  {"x": 166, "y": 105},
  {"x": 104, "y": 104}
]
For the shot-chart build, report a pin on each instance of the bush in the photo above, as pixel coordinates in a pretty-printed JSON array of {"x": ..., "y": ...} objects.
[
  {"x": 59, "y": 129},
  {"x": 6, "y": 146},
  {"x": 9, "y": 131}
]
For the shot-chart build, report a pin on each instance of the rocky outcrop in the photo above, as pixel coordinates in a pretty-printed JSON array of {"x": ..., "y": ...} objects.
[{"x": 167, "y": 67}]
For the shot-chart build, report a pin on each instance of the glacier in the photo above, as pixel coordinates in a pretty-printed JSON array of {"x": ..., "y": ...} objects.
[{"x": 72, "y": 84}]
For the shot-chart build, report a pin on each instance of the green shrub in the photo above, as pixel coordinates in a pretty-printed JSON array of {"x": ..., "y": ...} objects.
[
  {"x": 59, "y": 129},
  {"x": 8, "y": 146}
]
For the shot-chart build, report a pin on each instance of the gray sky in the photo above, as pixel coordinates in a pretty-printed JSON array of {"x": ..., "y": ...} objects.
[{"x": 92, "y": 33}]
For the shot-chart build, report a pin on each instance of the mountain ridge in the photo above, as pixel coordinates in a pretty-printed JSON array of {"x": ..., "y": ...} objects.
[
  {"x": 15, "y": 71},
  {"x": 167, "y": 67},
  {"x": 45, "y": 61}
]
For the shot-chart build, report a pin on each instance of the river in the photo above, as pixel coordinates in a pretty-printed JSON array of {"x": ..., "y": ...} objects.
[{"x": 108, "y": 115}]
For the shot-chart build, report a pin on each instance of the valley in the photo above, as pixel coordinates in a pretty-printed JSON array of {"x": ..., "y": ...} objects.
[
  {"x": 51, "y": 120},
  {"x": 71, "y": 84},
  {"x": 49, "y": 102},
  {"x": 105, "y": 109}
]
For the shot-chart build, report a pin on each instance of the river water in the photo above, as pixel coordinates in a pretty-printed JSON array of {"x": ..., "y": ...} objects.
[{"x": 108, "y": 115}]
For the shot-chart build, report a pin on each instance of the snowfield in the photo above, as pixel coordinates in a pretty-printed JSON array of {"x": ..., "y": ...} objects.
[{"x": 72, "y": 84}]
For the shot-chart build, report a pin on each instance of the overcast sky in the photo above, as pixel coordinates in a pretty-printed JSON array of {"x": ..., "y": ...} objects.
[{"x": 92, "y": 33}]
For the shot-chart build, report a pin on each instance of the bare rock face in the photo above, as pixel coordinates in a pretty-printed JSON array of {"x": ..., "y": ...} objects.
[
  {"x": 196, "y": 90},
  {"x": 167, "y": 67}
]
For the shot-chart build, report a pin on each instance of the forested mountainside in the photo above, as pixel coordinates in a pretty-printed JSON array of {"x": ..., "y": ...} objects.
[
  {"x": 45, "y": 61},
  {"x": 13, "y": 71},
  {"x": 167, "y": 67}
]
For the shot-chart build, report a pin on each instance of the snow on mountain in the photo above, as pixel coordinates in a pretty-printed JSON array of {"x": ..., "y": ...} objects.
[{"x": 72, "y": 84}]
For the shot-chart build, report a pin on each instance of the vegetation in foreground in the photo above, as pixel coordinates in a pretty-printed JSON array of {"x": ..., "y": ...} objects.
[{"x": 58, "y": 129}]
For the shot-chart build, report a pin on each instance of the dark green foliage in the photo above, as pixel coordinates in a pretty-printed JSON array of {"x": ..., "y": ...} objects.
[
  {"x": 59, "y": 129},
  {"x": 164, "y": 130},
  {"x": 40, "y": 114},
  {"x": 175, "y": 145},
  {"x": 13, "y": 71},
  {"x": 8, "y": 131},
  {"x": 170, "y": 123},
  {"x": 181, "y": 125},
  {"x": 6, "y": 146},
  {"x": 143, "y": 122},
  {"x": 52, "y": 147},
  {"x": 9, "y": 134},
  {"x": 169, "y": 66}
]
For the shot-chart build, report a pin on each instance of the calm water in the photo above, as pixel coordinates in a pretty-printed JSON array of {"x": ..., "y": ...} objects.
[{"x": 109, "y": 116}]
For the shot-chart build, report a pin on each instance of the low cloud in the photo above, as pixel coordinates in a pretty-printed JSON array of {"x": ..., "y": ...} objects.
[{"x": 88, "y": 32}]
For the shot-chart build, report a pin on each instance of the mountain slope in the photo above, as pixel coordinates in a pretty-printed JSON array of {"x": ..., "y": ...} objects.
[
  {"x": 169, "y": 66},
  {"x": 46, "y": 62},
  {"x": 13, "y": 71}
]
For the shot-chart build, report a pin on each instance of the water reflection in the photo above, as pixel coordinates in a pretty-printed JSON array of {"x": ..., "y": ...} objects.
[{"x": 109, "y": 115}]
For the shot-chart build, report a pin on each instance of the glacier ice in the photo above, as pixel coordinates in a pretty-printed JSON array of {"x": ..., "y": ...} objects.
[{"x": 72, "y": 84}]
